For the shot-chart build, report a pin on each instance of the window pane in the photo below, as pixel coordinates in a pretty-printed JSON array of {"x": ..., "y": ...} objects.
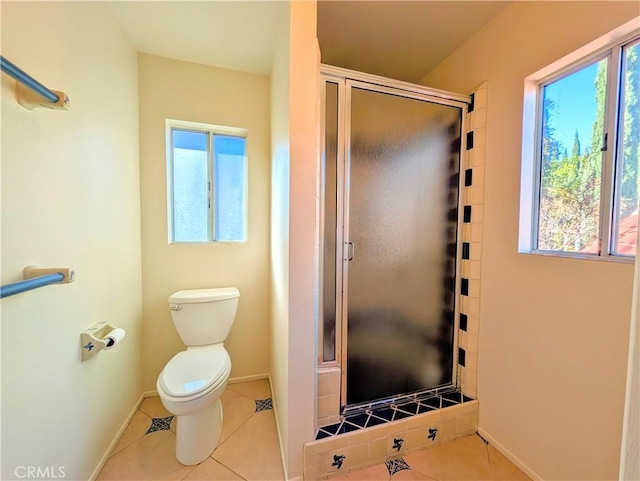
[
  {"x": 190, "y": 196},
  {"x": 571, "y": 161},
  {"x": 230, "y": 178},
  {"x": 626, "y": 213}
]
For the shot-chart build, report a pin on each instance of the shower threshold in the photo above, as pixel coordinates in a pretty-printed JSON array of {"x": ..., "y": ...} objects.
[{"x": 365, "y": 415}]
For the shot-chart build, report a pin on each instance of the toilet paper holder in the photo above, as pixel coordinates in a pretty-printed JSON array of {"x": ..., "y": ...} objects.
[{"x": 98, "y": 337}]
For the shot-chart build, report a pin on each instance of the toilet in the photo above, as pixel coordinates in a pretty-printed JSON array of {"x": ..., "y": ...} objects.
[{"x": 191, "y": 383}]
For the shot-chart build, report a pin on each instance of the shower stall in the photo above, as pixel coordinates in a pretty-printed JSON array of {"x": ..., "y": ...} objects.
[{"x": 389, "y": 238}]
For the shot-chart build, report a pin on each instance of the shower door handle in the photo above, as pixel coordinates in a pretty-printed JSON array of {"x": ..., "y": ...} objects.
[{"x": 351, "y": 251}]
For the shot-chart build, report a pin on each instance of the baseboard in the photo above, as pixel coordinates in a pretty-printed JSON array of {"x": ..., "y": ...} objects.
[
  {"x": 147, "y": 394},
  {"x": 255, "y": 377},
  {"x": 107, "y": 454},
  {"x": 275, "y": 413},
  {"x": 509, "y": 455}
]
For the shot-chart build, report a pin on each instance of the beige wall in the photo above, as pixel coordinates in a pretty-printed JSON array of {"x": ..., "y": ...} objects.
[
  {"x": 553, "y": 332},
  {"x": 279, "y": 261},
  {"x": 70, "y": 198},
  {"x": 171, "y": 89},
  {"x": 294, "y": 229}
]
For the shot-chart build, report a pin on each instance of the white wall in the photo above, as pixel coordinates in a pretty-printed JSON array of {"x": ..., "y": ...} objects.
[
  {"x": 553, "y": 332},
  {"x": 294, "y": 229},
  {"x": 70, "y": 198},
  {"x": 171, "y": 89}
]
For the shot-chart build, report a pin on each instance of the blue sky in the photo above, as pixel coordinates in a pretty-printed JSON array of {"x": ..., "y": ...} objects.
[{"x": 575, "y": 106}]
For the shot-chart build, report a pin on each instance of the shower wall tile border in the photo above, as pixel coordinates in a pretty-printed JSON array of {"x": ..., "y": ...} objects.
[
  {"x": 359, "y": 449},
  {"x": 471, "y": 231}
]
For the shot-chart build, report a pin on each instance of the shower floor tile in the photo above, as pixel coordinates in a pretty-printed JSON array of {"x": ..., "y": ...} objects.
[{"x": 248, "y": 449}]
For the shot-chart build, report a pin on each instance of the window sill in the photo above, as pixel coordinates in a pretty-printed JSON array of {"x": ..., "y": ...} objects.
[{"x": 570, "y": 255}]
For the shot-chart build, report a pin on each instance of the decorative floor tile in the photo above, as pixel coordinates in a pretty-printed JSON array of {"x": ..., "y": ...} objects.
[
  {"x": 160, "y": 424},
  {"x": 396, "y": 465},
  {"x": 263, "y": 404}
]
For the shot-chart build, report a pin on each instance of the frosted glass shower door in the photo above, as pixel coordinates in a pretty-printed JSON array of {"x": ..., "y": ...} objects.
[{"x": 400, "y": 237}]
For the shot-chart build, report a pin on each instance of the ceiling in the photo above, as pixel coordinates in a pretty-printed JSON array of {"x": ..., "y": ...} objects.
[
  {"x": 237, "y": 35},
  {"x": 397, "y": 39}
]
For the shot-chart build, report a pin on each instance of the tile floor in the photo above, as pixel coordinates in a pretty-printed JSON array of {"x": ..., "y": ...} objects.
[
  {"x": 249, "y": 449},
  {"x": 467, "y": 458}
]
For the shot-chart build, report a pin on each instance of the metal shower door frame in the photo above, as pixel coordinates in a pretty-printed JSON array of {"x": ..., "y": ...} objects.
[{"x": 347, "y": 80}]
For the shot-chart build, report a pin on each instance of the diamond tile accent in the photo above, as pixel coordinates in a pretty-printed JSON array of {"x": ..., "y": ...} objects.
[
  {"x": 160, "y": 424},
  {"x": 407, "y": 406},
  {"x": 396, "y": 465},
  {"x": 263, "y": 404}
]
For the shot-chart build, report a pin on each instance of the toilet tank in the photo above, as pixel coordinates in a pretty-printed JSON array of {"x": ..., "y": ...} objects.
[{"x": 204, "y": 316}]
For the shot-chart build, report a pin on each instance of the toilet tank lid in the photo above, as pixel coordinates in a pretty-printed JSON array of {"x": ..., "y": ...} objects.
[{"x": 204, "y": 295}]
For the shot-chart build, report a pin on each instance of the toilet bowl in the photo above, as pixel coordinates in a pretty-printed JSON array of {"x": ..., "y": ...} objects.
[{"x": 192, "y": 382}]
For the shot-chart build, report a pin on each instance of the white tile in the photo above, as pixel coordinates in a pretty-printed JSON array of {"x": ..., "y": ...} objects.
[
  {"x": 471, "y": 361},
  {"x": 477, "y": 156},
  {"x": 463, "y": 425},
  {"x": 479, "y": 137},
  {"x": 415, "y": 438},
  {"x": 476, "y": 195},
  {"x": 447, "y": 430},
  {"x": 474, "y": 288},
  {"x": 480, "y": 118},
  {"x": 477, "y": 214},
  {"x": 474, "y": 307},
  {"x": 324, "y": 407},
  {"x": 472, "y": 341},
  {"x": 377, "y": 450},
  {"x": 472, "y": 323},
  {"x": 462, "y": 339},
  {"x": 478, "y": 175},
  {"x": 465, "y": 270},
  {"x": 476, "y": 232},
  {"x": 480, "y": 98},
  {"x": 358, "y": 454},
  {"x": 474, "y": 270}
]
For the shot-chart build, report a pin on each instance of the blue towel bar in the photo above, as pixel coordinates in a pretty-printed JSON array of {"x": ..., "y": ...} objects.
[
  {"x": 30, "y": 284},
  {"x": 26, "y": 79}
]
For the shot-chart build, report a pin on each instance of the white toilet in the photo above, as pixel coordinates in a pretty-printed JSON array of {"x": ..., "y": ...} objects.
[{"x": 191, "y": 383}]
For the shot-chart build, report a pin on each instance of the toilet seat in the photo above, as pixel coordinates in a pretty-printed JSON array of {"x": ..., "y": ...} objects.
[{"x": 195, "y": 372}]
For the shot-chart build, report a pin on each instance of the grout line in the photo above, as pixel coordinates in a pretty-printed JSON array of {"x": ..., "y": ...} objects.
[
  {"x": 233, "y": 432},
  {"x": 227, "y": 467},
  {"x": 194, "y": 468},
  {"x": 136, "y": 439}
]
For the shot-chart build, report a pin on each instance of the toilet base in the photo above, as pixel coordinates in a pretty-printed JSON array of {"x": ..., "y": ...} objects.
[{"x": 197, "y": 435}]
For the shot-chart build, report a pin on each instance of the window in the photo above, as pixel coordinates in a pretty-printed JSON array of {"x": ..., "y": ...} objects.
[
  {"x": 206, "y": 172},
  {"x": 581, "y": 156}
]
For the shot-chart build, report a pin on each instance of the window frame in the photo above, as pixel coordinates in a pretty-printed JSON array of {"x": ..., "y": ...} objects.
[
  {"x": 211, "y": 131},
  {"x": 611, "y": 47}
]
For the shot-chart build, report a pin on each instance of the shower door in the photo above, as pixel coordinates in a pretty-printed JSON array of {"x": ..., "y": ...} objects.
[{"x": 391, "y": 203}]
